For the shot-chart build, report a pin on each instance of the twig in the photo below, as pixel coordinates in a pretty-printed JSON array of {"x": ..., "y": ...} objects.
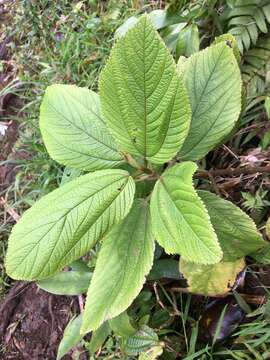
[
  {"x": 212, "y": 179},
  {"x": 177, "y": 312},
  {"x": 81, "y": 303},
  {"x": 12, "y": 212},
  {"x": 157, "y": 296},
  {"x": 230, "y": 151},
  {"x": 230, "y": 172},
  {"x": 250, "y": 299}
]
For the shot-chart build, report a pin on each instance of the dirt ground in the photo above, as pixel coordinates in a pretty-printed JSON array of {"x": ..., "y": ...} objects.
[{"x": 33, "y": 321}]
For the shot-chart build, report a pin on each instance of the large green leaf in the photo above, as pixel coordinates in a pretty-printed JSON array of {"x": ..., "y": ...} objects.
[
  {"x": 73, "y": 130},
  {"x": 211, "y": 280},
  {"x": 236, "y": 231},
  {"x": 65, "y": 224},
  {"x": 180, "y": 221},
  {"x": 213, "y": 81},
  {"x": 143, "y": 99},
  {"x": 125, "y": 258}
]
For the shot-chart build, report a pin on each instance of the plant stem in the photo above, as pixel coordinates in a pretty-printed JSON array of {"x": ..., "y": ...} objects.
[
  {"x": 143, "y": 168},
  {"x": 131, "y": 161}
]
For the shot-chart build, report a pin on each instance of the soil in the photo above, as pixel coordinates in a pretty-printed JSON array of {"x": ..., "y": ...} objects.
[{"x": 33, "y": 321}]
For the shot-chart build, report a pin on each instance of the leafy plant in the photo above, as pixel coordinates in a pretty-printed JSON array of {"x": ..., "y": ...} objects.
[
  {"x": 246, "y": 19},
  {"x": 257, "y": 201},
  {"x": 254, "y": 68},
  {"x": 138, "y": 138}
]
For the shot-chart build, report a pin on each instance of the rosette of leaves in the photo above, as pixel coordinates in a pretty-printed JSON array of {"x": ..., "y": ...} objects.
[{"x": 136, "y": 142}]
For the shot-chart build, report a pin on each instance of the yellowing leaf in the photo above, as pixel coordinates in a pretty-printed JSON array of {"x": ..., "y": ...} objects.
[{"x": 211, "y": 280}]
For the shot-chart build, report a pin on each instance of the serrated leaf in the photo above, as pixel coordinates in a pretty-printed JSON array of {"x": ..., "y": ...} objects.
[
  {"x": 144, "y": 339},
  {"x": 236, "y": 231},
  {"x": 230, "y": 41},
  {"x": 180, "y": 221},
  {"x": 211, "y": 280},
  {"x": 73, "y": 131},
  {"x": 67, "y": 283},
  {"x": 63, "y": 225},
  {"x": 71, "y": 337},
  {"x": 143, "y": 99},
  {"x": 121, "y": 325},
  {"x": 125, "y": 258},
  {"x": 213, "y": 81}
]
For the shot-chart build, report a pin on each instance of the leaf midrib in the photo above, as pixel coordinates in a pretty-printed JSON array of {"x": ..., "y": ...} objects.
[
  {"x": 88, "y": 155},
  {"x": 193, "y": 115},
  {"x": 200, "y": 242},
  {"x": 65, "y": 215},
  {"x": 142, "y": 247},
  {"x": 79, "y": 128}
]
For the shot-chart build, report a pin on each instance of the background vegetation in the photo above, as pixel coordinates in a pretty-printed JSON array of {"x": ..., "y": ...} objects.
[{"x": 44, "y": 42}]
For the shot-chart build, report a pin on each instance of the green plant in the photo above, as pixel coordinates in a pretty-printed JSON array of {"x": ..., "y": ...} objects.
[
  {"x": 246, "y": 19},
  {"x": 151, "y": 121}
]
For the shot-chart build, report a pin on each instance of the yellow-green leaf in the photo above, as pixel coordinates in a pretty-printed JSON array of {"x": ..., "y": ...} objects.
[
  {"x": 143, "y": 99},
  {"x": 125, "y": 258},
  {"x": 236, "y": 231},
  {"x": 211, "y": 280},
  {"x": 213, "y": 81},
  {"x": 63, "y": 225},
  {"x": 180, "y": 220},
  {"x": 73, "y": 130}
]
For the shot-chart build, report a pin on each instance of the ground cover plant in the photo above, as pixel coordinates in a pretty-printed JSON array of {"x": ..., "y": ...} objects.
[{"x": 132, "y": 152}]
